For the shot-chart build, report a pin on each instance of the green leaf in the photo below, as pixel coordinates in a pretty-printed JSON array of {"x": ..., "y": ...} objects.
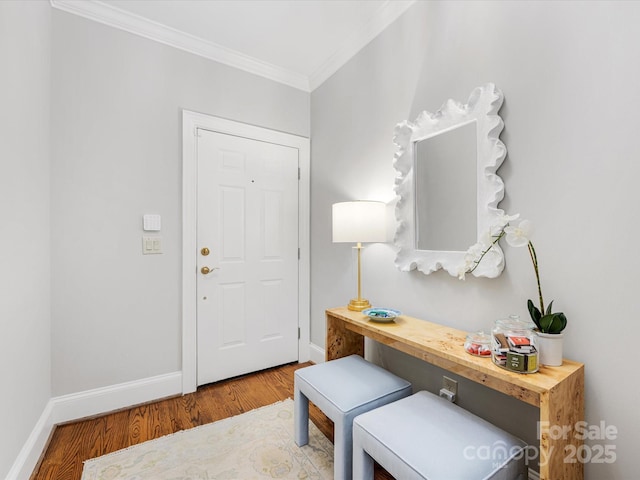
[
  {"x": 563, "y": 321},
  {"x": 553, "y": 323},
  {"x": 535, "y": 314},
  {"x": 549, "y": 308},
  {"x": 545, "y": 321}
]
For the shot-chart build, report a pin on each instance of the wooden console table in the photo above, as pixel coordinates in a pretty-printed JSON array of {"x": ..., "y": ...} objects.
[{"x": 557, "y": 391}]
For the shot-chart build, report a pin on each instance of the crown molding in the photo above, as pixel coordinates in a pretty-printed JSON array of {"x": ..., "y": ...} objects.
[
  {"x": 115, "y": 17},
  {"x": 384, "y": 17},
  {"x": 129, "y": 22}
]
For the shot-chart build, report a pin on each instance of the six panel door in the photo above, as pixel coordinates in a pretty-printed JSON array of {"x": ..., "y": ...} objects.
[{"x": 247, "y": 233}]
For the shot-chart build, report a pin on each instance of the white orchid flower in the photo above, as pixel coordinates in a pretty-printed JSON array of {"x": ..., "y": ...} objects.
[
  {"x": 462, "y": 271},
  {"x": 503, "y": 219},
  {"x": 489, "y": 238},
  {"x": 519, "y": 236},
  {"x": 474, "y": 252},
  {"x": 495, "y": 231},
  {"x": 491, "y": 254},
  {"x": 469, "y": 260}
]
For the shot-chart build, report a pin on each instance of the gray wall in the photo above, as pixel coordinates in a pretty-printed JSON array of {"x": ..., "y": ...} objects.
[
  {"x": 25, "y": 356},
  {"x": 569, "y": 72},
  {"x": 116, "y": 154}
]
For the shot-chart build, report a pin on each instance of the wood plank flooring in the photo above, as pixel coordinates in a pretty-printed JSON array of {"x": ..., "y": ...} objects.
[{"x": 75, "y": 442}]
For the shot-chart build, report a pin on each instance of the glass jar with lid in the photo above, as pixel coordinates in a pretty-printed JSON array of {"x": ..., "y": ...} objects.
[
  {"x": 514, "y": 345},
  {"x": 478, "y": 344}
]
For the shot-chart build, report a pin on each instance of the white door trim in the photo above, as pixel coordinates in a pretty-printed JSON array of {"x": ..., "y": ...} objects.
[{"x": 191, "y": 121}]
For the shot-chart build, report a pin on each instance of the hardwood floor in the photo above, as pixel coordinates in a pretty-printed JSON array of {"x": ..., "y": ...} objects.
[{"x": 75, "y": 442}]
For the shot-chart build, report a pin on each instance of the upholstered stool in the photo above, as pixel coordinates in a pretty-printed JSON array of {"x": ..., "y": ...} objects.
[
  {"x": 426, "y": 437},
  {"x": 343, "y": 389}
]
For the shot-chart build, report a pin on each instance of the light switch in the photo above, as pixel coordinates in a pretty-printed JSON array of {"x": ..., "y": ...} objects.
[
  {"x": 151, "y": 223},
  {"x": 147, "y": 245},
  {"x": 151, "y": 245}
]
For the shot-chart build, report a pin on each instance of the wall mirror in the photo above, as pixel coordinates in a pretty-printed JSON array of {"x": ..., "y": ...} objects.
[{"x": 446, "y": 184}]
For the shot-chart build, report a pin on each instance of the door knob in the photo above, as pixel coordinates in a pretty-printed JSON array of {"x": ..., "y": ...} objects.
[
  {"x": 205, "y": 270},
  {"x": 204, "y": 251}
]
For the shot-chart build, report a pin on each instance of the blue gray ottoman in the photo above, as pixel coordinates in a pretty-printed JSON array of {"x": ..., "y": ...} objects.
[
  {"x": 426, "y": 437},
  {"x": 343, "y": 389}
]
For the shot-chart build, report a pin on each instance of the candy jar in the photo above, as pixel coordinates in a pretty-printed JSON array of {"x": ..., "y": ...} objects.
[
  {"x": 514, "y": 345},
  {"x": 479, "y": 344}
]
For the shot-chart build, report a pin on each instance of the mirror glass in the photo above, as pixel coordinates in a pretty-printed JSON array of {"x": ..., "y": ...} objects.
[
  {"x": 442, "y": 161},
  {"x": 447, "y": 184}
]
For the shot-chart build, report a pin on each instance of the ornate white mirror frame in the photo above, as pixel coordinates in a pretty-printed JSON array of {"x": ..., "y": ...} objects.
[{"x": 482, "y": 110}]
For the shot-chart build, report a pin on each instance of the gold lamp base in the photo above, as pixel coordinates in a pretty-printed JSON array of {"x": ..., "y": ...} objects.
[{"x": 358, "y": 304}]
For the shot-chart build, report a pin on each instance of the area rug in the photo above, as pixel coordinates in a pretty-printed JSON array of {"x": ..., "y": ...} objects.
[{"x": 255, "y": 445}]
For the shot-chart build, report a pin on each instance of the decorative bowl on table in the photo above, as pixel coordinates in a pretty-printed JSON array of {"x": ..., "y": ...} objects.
[{"x": 381, "y": 314}]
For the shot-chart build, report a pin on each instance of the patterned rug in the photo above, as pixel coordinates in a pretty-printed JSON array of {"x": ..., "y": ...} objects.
[{"x": 255, "y": 445}]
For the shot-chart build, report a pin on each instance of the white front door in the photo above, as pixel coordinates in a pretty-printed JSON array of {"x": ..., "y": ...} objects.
[{"x": 247, "y": 236}]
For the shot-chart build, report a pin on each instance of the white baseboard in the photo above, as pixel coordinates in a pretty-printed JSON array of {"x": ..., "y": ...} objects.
[
  {"x": 107, "y": 399},
  {"x": 34, "y": 446},
  {"x": 86, "y": 404},
  {"x": 316, "y": 353}
]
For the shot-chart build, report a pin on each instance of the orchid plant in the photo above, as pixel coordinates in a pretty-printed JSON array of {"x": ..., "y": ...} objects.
[{"x": 517, "y": 236}]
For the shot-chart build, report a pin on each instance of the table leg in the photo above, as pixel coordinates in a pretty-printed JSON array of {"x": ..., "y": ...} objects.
[
  {"x": 560, "y": 410},
  {"x": 340, "y": 341}
]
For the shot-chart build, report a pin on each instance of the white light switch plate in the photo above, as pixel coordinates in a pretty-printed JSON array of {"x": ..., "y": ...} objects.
[{"x": 151, "y": 245}]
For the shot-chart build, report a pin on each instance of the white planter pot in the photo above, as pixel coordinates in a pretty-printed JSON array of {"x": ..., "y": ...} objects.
[{"x": 550, "y": 349}]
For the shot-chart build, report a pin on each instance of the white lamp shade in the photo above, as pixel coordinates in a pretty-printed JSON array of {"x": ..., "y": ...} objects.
[{"x": 359, "y": 221}]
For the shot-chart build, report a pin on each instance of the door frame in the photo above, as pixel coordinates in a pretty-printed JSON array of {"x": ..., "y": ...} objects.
[{"x": 191, "y": 122}]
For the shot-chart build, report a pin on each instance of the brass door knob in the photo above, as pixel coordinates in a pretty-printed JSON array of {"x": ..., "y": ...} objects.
[
  {"x": 205, "y": 270},
  {"x": 205, "y": 251}
]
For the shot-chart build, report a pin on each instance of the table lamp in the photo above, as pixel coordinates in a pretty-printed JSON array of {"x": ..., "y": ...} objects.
[{"x": 359, "y": 222}]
